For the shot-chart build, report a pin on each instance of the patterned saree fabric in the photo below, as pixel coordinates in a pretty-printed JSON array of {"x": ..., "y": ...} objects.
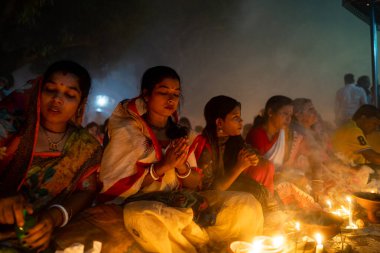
[{"x": 44, "y": 178}]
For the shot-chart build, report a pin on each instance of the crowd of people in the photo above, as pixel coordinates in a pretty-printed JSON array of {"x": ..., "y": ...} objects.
[{"x": 152, "y": 184}]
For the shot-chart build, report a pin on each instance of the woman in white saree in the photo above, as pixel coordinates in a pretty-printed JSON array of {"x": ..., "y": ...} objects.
[{"x": 149, "y": 160}]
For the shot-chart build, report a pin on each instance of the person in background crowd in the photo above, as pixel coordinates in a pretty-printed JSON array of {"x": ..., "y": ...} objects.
[
  {"x": 350, "y": 140},
  {"x": 348, "y": 99},
  {"x": 94, "y": 129},
  {"x": 365, "y": 83},
  {"x": 6, "y": 83},
  {"x": 183, "y": 121}
]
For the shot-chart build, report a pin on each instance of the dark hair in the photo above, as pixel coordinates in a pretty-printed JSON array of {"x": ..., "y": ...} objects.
[
  {"x": 299, "y": 105},
  {"x": 349, "y": 78},
  {"x": 183, "y": 121},
  {"x": 92, "y": 124},
  {"x": 274, "y": 104},
  {"x": 218, "y": 107},
  {"x": 368, "y": 111},
  {"x": 8, "y": 79},
  {"x": 175, "y": 131},
  {"x": 67, "y": 66},
  {"x": 364, "y": 82},
  {"x": 154, "y": 75}
]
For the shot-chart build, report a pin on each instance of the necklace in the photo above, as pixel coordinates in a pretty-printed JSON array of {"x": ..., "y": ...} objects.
[{"x": 53, "y": 145}]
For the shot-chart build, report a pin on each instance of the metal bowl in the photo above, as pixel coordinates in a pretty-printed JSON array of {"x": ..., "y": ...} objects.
[
  {"x": 320, "y": 222},
  {"x": 371, "y": 203}
]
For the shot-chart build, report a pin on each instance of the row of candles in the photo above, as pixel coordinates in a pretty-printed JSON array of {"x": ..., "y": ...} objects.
[{"x": 267, "y": 244}]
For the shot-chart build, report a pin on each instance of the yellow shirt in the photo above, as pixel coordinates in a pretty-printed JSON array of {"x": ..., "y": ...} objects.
[
  {"x": 348, "y": 142},
  {"x": 374, "y": 140}
]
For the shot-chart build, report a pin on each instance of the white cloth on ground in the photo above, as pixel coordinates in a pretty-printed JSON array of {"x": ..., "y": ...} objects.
[{"x": 159, "y": 228}]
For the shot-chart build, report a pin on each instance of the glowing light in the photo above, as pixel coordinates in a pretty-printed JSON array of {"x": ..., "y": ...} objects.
[
  {"x": 278, "y": 241},
  {"x": 257, "y": 246},
  {"x": 319, "y": 247},
  {"x": 351, "y": 224},
  {"x": 298, "y": 226},
  {"x": 318, "y": 238},
  {"x": 102, "y": 100},
  {"x": 329, "y": 204}
]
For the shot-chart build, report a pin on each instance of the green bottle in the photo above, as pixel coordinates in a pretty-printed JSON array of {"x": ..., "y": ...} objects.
[{"x": 29, "y": 222}]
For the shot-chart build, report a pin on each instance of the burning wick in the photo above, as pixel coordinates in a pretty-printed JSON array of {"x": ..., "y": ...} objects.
[{"x": 319, "y": 247}]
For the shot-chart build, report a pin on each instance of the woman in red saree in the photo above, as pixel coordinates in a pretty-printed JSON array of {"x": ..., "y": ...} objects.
[
  {"x": 49, "y": 162},
  {"x": 267, "y": 136},
  {"x": 279, "y": 145}
]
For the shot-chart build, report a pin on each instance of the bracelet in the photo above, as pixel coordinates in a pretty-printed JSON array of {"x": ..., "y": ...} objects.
[
  {"x": 64, "y": 213},
  {"x": 153, "y": 173},
  {"x": 186, "y": 174}
]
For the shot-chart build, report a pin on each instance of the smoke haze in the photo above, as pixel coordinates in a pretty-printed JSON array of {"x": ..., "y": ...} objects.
[{"x": 246, "y": 49}]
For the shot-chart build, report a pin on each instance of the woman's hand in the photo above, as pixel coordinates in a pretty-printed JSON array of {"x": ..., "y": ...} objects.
[
  {"x": 176, "y": 155},
  {"x": 253, "y": 158},
  {"x": 244, "y": 159},
  {"x": 12, "y": 210},
  {"x": 39, "y": 236}
]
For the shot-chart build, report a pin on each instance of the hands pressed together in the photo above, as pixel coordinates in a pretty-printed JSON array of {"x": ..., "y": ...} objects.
[
  {"x": 176, "y": 155},
  {"x": 246, "y": 158}
]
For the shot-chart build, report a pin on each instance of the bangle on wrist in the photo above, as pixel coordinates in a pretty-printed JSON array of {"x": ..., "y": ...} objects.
[
  {"x": 65, "y": 214},
  {"x": 153, "y": 173},
  {"x": 185, "y": 175}
]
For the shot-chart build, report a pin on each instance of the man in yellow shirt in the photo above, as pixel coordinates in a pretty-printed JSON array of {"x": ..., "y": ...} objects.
[{"x": 349, "y": 141}]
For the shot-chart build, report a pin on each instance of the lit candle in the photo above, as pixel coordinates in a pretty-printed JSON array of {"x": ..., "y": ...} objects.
[
  {"x": 278, "y": 241},
  {"x": 329, "y": 204},
  {"x": 257, "y": 246},
  {"x": 319, "y": 247},
  {"x": 298, "y": 226},
  {"x": 350, "y": 221},
  {"x": 298, "y": 229}
]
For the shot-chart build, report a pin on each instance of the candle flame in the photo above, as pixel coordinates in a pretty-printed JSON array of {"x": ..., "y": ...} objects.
[
  {"x": 345, "y": 210},
  {"x": 256, "y": 247},
  {"x": 348, "y": 199},
  {"x": 298, "y": 226},
  {"x": 318, "y": 238},
  {"x": 329, "y": 203},
  {"x": 278, "y": 241}
]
